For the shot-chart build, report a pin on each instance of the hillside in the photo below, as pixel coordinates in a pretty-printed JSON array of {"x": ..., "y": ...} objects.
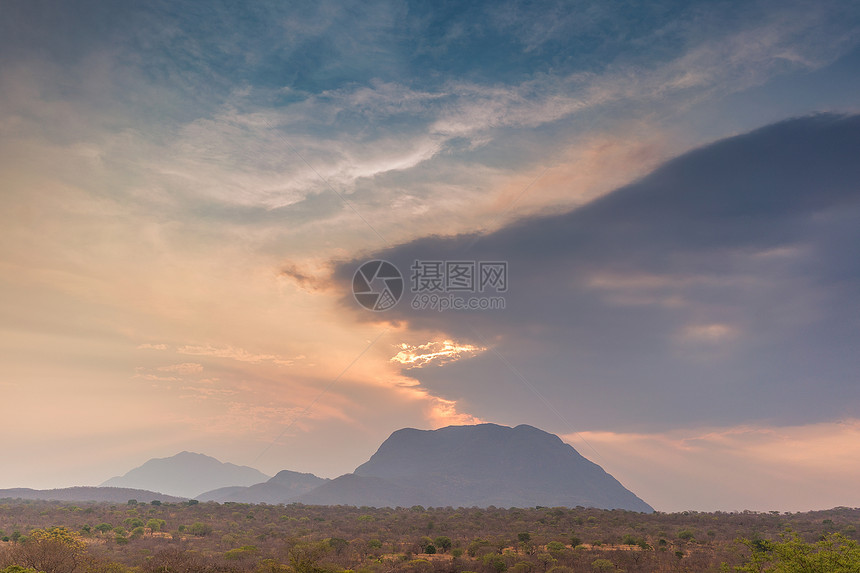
[
  {"x": 284, "y": 487},
  {"x": 84, "y": 494}
]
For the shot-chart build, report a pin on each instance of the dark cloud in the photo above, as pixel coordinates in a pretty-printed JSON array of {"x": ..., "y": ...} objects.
[{"x": 721, "y": 288}]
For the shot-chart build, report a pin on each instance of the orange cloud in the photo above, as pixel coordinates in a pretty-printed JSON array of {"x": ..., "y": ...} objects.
[{"x": 789, "y": 468}]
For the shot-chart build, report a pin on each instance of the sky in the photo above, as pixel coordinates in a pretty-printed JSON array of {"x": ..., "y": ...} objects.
[{"x": 189, "y": 188}]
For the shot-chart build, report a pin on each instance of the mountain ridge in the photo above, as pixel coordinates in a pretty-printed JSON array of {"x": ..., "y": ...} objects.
[
  {"x": 283, "y": 487},
  {"x": 186, "y": 474},
  {"x": 476, "y": 465},
  {"x": 89, "y": 493},
  {"x": 482, "y": 465}
]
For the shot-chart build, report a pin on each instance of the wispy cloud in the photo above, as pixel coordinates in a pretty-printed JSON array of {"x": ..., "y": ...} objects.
[
  {"x": 794, "y": 468},
  {"x": 233, "y": 353},
  {"x": 184, "y": 368}
]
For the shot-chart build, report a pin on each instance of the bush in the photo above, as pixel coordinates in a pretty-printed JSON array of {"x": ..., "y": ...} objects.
[
  {"x": 495, "y": 562},
  {"x": 200, "y": 529},
  {"x": 17, "y": 569},
  {"x": 834, "y": 554}
]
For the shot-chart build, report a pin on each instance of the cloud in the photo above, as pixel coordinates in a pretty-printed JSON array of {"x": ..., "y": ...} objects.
[
  {"x": 437, "y": 353},
  {"x": 148, "y": 346},
  {"x": 791, "y": 468},
  {"x": 239, "y": 354},
  {"x": 184, "y": 368},
  {"x": 723, "y": 273}
]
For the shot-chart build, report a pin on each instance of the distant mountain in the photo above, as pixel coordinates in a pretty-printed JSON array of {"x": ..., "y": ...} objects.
[
  {"x": 479, "y": 465},
  {"x": 107, "y": 494},
  {"x": 187, "y": 474},
  {"x": 284, "y": 487}
]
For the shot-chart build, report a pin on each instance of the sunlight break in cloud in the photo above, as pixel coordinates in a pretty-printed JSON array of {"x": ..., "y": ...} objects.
[{"x": 439, "y": 352}]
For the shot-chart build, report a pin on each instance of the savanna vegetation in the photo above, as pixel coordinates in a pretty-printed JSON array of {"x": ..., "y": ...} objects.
[{"x": 58, "y": 537}]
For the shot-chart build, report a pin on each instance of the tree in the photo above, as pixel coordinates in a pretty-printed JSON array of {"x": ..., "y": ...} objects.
[
  {"x": 155, "y": 524},
  {"x": 17, "y": 569},
  {"x": 443, "y": 542},
  {"x": 200, "y": 529},
  {"x": 305, "y": 557},
  {"x": 53, "y": 550},
  {"x": 339, "y": 544},
  {"x": 832, "y": 554}
]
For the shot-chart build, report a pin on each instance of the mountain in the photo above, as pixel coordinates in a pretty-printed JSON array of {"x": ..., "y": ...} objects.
[
  {"x": 186, "y": 475},
  {"x": 479, "y": 465},
  {"x": 284, "y": 487},
  {"x": 106, "y": 494},
  {"x": 372, "y": 491}
]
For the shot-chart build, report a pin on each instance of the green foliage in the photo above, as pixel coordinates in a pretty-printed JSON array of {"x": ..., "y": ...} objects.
[
  {"x": 555, "y": 548},
  {"x": 132, "y": 502},
  {"x": 339, "y": 544},
  {"x": 495, "y": 562},
  {"x": 241, "y": 552},
  {"x": 478, "y": 547},
  {"x": 686, "y": 534},
  {"x": 443, "y": 542},
  {"x": 524, "y": 537},
  {"x": 18, "y": 569},
  {"x": 833, "y": 554},
  {"x": 155, "y": 524},
  {"x": 602, "y": 565},
  {"x": 305, "y": 557},
  {"x": 51, "y": 550},
  {"x": 200, "y": 529}
]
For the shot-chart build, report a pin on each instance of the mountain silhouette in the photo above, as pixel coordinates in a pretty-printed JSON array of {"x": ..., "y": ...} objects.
[
  {"x": 480, "y": 465},
  {"x": 87, "y": 493},
  {"x": 187, "y": 474},
  {"x": 284, "y": 487}
]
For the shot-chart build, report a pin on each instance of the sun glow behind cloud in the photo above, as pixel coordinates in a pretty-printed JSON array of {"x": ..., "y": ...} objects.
[{"x": 436, "y": 353}]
